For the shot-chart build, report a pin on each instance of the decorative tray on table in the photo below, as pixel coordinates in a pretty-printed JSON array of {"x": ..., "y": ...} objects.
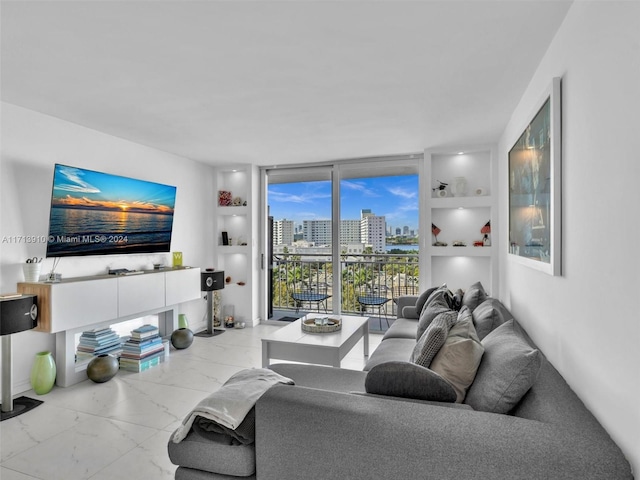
[{"x": 321, "y": 325}]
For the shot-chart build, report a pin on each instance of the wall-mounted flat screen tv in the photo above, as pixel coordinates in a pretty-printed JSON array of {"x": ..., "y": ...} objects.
[{"x": 94, "y": 213}]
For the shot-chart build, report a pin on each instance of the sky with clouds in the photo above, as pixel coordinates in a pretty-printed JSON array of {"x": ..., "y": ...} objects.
[{"x": 395, "y": 198}]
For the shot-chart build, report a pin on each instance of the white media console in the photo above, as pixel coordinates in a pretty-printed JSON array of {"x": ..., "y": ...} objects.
[{"x": 73, "y": 305}]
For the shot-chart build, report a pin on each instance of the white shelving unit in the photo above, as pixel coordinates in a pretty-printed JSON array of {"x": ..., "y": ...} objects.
[
  {"x": 460, "y": 217},
  {"x": 239, "y": 259}
]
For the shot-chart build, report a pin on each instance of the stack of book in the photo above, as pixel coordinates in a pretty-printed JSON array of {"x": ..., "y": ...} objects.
[
  {"x": 143, "y": 350},
  {"x": 98, "y": 341}
]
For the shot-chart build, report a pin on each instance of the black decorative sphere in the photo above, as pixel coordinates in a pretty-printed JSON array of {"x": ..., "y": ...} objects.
[
  {"x": 102, "y": 368},
  {"x": 182, "y": 338}
]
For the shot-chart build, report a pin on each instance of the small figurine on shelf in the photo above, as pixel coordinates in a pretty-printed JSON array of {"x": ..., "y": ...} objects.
[
  {"x": 435, "y": 231},
  {"x": 441, "y": 189},
  {"x": 237, "y": 201},
  {"x": 486, "y": 230}
]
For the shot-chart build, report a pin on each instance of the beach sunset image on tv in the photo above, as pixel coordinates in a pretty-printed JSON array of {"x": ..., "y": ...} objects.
[{"x": 94, "y": 213}]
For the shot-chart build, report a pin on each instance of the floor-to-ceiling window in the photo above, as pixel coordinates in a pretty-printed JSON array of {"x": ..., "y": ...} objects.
[{"x": 340, "y": 232}]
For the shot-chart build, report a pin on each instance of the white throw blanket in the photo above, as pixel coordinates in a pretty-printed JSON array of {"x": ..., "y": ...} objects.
[{"x": 229, "y": 405}]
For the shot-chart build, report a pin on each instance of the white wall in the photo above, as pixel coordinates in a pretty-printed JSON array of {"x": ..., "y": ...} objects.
[
  {"x": 31, "y": 144},
  {"x": 587, "y": 321}
]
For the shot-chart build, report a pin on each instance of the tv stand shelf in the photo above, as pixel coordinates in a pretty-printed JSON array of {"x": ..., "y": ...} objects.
[{"x": 77, "y": 304}]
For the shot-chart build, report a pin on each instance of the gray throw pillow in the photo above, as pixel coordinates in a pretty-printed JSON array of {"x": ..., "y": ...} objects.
[
  {"x": 439, "y": 301},
  {"x": 487, "y": 317},
  {"x": 433, "y": 338},
  {"x": 408, "y": 380},
  {"x": 508, "y": 369},
  {"x": 474, "y": 296},
  {"x": 422, "y": 299},
  {"x": 459, "y": 358}
]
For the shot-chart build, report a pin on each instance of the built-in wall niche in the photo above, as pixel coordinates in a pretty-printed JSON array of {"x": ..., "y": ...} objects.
[
  {"x": 459, "y": 224},
  {"x": 461, "y": 271},
  {"x": 474, "y": 167},
  {"x": 234, "y": 181},
  {"x": 235, "y": 269},
  {"x": 235, "y": 226}
]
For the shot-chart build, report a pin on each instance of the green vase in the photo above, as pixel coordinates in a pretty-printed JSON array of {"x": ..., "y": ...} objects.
[
  {"x": 43, "y": 373},
  {"x": 182, "y": 321}
]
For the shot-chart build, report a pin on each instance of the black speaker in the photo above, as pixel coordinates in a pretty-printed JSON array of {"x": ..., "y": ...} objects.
[
  {"x": 211, "y": 281},
  {"x": 18, "y": 314}
]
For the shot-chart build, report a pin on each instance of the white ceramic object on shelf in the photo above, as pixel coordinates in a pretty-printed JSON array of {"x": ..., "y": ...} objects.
[{"x": 460, "y": 186}]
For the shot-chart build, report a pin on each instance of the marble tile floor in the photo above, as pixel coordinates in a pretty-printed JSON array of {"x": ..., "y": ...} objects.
[{"x": 120, "y": 429}]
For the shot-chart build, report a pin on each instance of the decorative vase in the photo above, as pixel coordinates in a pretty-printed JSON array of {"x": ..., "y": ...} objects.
[
  {"x": 102, "y": 368},
  {"x": 32, "y": 271},
  {"x": 43, "y": 373},
  {"x": 460, "y": 186},
  {"x": 182, "y": 321},
  {"x": 182, "y": 338}
]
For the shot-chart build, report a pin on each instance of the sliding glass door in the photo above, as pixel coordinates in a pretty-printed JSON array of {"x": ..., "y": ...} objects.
[{"x": 341, "y": 237}]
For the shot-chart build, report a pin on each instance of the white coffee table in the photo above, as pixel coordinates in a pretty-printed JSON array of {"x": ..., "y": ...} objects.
[{"x": 291, "y": 343}]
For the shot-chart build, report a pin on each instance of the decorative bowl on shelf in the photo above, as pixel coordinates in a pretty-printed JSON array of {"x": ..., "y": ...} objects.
[{"x": 321, "y": 325}]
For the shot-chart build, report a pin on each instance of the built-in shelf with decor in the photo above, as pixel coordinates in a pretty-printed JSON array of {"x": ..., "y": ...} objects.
[
  {"x": 462, "y": 246},
  {"x": 236, "y": 249}
]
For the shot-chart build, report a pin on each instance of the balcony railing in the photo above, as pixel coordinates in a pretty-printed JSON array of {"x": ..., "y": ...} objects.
[{"x": 307, "y": 282}]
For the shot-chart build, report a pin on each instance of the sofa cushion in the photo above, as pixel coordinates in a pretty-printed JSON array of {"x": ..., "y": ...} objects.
[
  {"x": 459, "y": 358},
  {"x": 402, "y": 328},
  {"x": 409, "y": 311},
  {"x": 408, "y": 380},
  {"x": 438, "y": 302},
  {"x": 322, "y": 377},
  {"x": 213, "y": 452},
  {"x": 433, "y": 338},
  {"x": 508, "y": 369},
  {"x": 423, "y": 297},
  {"x": 487, "y": 317},
  {"x": 392, "y": 349},
  {"x": 474, "y": 296}
]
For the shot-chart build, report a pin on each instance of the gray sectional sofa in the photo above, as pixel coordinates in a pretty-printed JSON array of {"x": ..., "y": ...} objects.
[{"x": 384, "y": 423}]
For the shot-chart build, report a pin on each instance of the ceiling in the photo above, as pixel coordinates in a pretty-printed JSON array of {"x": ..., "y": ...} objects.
[{"x": 274, "y": 83}]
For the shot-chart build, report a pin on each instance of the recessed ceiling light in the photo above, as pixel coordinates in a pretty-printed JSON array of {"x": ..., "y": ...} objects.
[{"x": 460, "y": 153}]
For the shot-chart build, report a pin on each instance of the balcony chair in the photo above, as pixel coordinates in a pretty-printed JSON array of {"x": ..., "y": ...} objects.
[
  {"x": 314, "y": 294},
  {"x": 372, "y": 298}
]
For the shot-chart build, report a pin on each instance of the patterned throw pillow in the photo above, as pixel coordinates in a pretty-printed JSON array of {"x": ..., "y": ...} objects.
[
  {"x": 438, "y": 302},
  {"x": 459, "y": 358},
  {"x": 433, "y": 338}
]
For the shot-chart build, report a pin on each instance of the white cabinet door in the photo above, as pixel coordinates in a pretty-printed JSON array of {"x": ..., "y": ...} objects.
[
  {"x": 76, "y": 304},
  {"x": 182, "y": 286},
  {"x": 140, "y": 293}
]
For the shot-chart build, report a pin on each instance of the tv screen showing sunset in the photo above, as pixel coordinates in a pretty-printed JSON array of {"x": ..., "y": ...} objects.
[{"x": 95, "y": 213}]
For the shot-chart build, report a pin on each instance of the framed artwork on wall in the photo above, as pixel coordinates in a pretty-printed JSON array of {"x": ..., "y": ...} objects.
[{"x": 535, "y": 187}]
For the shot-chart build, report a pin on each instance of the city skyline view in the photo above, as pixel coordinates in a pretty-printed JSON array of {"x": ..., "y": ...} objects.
[{"x": 395, "y": 198}]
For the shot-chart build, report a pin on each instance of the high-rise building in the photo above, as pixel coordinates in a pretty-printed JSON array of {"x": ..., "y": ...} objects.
[
  {"x": 317, "y": 232},
  {"x": 349, "y": 232},
  {"x": 283, "y": 232},
  {"x": 372, "y": 228}
]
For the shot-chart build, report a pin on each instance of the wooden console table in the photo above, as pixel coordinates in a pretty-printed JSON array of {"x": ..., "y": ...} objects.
[{"x": 73, "y": 305}]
